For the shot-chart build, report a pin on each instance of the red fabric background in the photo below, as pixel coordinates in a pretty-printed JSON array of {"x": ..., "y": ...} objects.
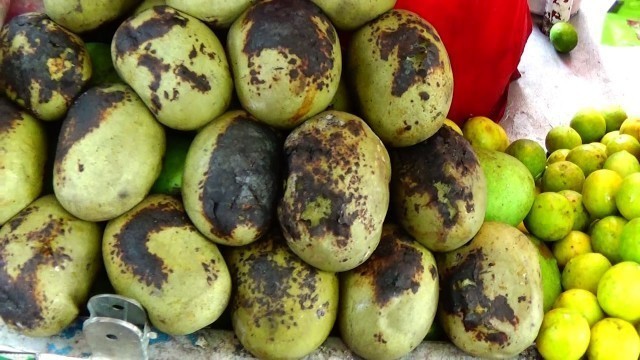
[{"x": 485, "y": 40}]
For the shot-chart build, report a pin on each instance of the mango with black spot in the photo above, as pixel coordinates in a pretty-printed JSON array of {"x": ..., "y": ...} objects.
[
  {"x": 155, "y": 255},
  {"x": 282, "y": 308},
  {"x": 352, "y": 14},
  {"x": 176, "y": 64},
  {"x": 439, "y": 191},
  {"x": 219, "y": 14},
  {"x": 336, "y": 193},
  {"x": 48, "y": 262},
  {"x": 44, "y": 66},
  {"x": 232, "y": 178},
  {"x": 491, "y": 293},
  {"x": 286, "y": 61},
  {"x": 388, "y": 304},
  {"x": 109, "y": 153},
  {"x": 83, "y": 15},
  {"x": 402, "y": 77},
  {"x": 23, "y": 152}
]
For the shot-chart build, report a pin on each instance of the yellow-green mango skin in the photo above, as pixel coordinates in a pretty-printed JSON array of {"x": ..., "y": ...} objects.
[
  {"x": 439, "y": 191},
  {"x": 22, "y": 156},
  {"x": 176, "y": 64},
  {"x": 109, "y": 153},
  {"x": 282, "y": 308},
  {"x": 402, "y": 77},
  {"x": 232, "y": 179},
  {"x": 155, "y": 255},
  {"x": 388, "y": 304},
  {"x": 286, "y": 61},
  {"x": 83, "y": 15},
  {"x": 220, "y": 14},
  {"x": 44, "y": 66},
  {"x": 491, "y": 300},
  {"x": 336, "y": 193},
  {"x": 147, "y": 4},
  {"x": 48, "y": 262},
  {"x": 352, "y": 14}
]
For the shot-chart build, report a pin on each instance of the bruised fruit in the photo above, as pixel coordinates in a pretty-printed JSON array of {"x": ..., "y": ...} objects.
[
  {"x": 109, "y": 153},
  {"x": 48, "y": 262},
  {"x": 282, "y": 308},
  {"x": 84, "y": 15},
  {"x": 286, "y": 61},
  {"x": 402, "y": 77},
  {"x": 218, "y": 14},
  {"x": 352, "y": 14},
  {"x": 439, "y": 191},
  {"x": 378, "y": 299},
  {"x": 176, "y": 64},
  {"x": 491, "y": 300},
  {"x": 22, "y": 157},
  {"x": 153, "y": 254},
  {"x": 50, "y": 65},
  {"x": 232, "y": 179},
  {"x": 336, "y": 193}
]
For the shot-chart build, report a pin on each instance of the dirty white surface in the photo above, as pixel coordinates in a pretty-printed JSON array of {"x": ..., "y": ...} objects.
[{"x": 552, "y": 88}]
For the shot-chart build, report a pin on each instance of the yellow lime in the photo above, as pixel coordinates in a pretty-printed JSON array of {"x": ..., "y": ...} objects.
[
  {"x": 619, "y": 293},
  {"x": 614, "y": 115},
  {"x": 599, "y": 191},
  {"x": 564, "y": 334},
  {"x": 563, "y": 36},
  {"x": 584, "y": 272},
  {"x": 623, "y": 142},
  {"x": 562, "y": 137},
  {"x": 551, "y": 277},
  {"x": 613, "y": 339},
  {"x": 590, "y": 124},
  {"x": 588, "y": 157},
  {"x": 581, "y": 217},
  {"x": 623, "y": 163},
  {"x": 608, "y": 136},
  {"x": 550, "y": 217},
  {"x": 628, "y": 196},
  {"x": 484, "y": 133},
  {"x": 574, "y": 244},
  {"x": 558, "y": 155},
  {"x": 562, "y": 175},
  {"x": 530, "y": 153},
  {"x": 600, "y": 146},
  {"x": 631, "y": 126},
  {"x": 630, "y": 241},
  {"x": 450, "y": 123},
  {"x": 605, "y": 237},
  {"x": 583, "y": 301}
]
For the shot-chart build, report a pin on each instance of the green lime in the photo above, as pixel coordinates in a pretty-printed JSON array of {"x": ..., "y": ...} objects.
[
  {"x": 605, "y": 237},
  {"x": 564, "y": 334},
  {"x": 551, "y": 277},
  {"x": 588, "y": 157},
  {"x": 550, "y": 217},
  {"x": 581, "y": 217},
  {"x": 600, "y": 146},
  {"x": 599, "y": 191},
  {"x": 584, "y": 272},
  {"x": 614, "y": 115},
  {"x": 619, "y": 293},
  {"x": 631, "y": 126},
  {"x": 630, "y": 241},
  {"x": 574, "y": 244},
  {"x": 562, "y": 137},
  {"x": 562, "y": 175},
  {"x": 628, "y": 196},
  {"x": 563, "y": 36},
  {"x": 103, "y": 71},
  {"x": 170, "y": 179},
  {"x": 613, "y": 339},
  {"x": 590, "y": 124},
  {"x": 623, "y": 163},
  {"x": 624, "y": 142},
  {"x": 530, "y": 153},
  {"x": 608, "y": 136},
  {"x": 583, "y": 301}
]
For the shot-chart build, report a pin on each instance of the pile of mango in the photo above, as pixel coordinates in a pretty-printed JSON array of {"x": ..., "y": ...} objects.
[{"x": 317, "y": 190}]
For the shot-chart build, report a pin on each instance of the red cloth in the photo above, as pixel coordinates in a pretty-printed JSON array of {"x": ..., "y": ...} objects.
[{"x": 485, "y": 40}]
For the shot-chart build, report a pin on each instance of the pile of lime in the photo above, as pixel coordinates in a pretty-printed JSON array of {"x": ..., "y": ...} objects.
[{"x": 586, "y": 213}]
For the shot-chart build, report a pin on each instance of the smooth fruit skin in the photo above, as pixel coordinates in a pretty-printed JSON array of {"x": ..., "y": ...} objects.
[
  {"x": 619, "y": 293},
  {"x": 564, "y": 335},
  {"x": 550, "y": 217},
  {"x": 613, "y": 339}
]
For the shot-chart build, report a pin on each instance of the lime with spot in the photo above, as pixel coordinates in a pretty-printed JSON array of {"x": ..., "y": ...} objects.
[
  {"x": 614, "y": 115},
  {"x": 574, "y": 244},
  {"x": 589, "y": 123},
  {"x": 562, "y": 137},
  {"x": 623, "y": 142},
  {"x": 628, "y": 196},
  {"x": 484, "y": 133},
  {"x": 558, "y": 155},
  {"x": 581, "y": 217},
  {"x": 562, "y": 175},
  {"x": 599, "y": 191},
  {"x": 584, "y": 272},
  {"x": 605, "y": 237},
  {"x": 588, "y": 157}
]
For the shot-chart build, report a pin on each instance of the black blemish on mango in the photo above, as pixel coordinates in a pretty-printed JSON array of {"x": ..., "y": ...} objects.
[
  {"x": 243, "y": 180},
  {"x": 129, "y": 38},
  {"x": 157, "y": 68},
  {"x": 462, "y": 294},
  {"x": 197, "y": 81},
  {"x": 419, "y": 168},
  {"x": 9, "y": 116},
  {"x": 21, "y": 302}
]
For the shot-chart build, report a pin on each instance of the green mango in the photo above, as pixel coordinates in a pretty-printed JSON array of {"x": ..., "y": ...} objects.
[
  {"x": 219, "y": 14},
  {"x": 352, "y": 14},
  {"x": 23, "y": 152},
  {"x": 83, "y": 15},
  {"x": 155, "y": 255},
  {"x": 48, "y": 262}
]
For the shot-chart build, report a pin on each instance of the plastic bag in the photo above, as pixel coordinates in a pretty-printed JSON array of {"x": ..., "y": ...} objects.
[
  {"x": 485, "y": 41},
  {"x": 622, "y": 24}
]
